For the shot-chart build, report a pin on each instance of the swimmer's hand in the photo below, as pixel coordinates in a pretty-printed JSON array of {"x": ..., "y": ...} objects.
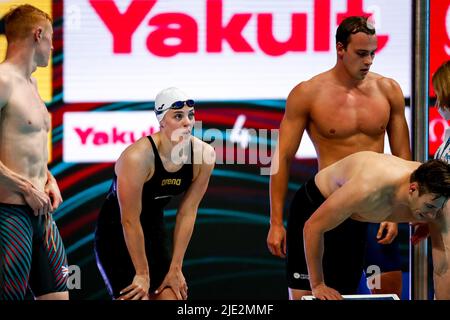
[
  {"x": 323, "y": 292},
  {"x": 38, "y": 201},
  {"x": 391, "y": 230},
  {"x": 276, "y": 240},
  {"x": 175, "y": 280},
  {"x": 52, "y": 190},
  {"x": 137, "y": 290}
]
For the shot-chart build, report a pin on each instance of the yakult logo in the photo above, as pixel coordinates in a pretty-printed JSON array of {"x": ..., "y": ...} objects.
[
  {"x": 102, "y": 136},
  {"x": 90, "y": 135},
  {"x": 185, "y": 28},
  {"x": 128, "y": 50}
]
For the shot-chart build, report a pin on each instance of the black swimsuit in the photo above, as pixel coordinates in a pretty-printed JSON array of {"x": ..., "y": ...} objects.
[
  {"x": 344, "y": 246},
  {"x": 113, "y": 259}
]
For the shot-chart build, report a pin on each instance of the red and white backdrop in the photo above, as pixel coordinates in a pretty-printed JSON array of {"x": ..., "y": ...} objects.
[
  {"x": 439, "y": 52},
  {"x": 239, "y": 59}
]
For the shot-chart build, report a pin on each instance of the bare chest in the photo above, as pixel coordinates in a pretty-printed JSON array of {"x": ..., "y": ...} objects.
[
  {"x": 346, "y": 115},
  {"x": 26, "y": 111},
  {"x": 169, "y": 165}
]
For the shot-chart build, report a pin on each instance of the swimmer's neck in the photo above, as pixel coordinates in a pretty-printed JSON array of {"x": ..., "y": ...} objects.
[
  {"x": 166, "y": 146},
  {"x": 401, "y": 194},
  {"x": 344, "y": 78},
  {"x": 20, "y": 59}
]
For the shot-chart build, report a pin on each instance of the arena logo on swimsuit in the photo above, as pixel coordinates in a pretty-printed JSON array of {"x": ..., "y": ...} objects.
[
  {"x": 175, "y": 182},
  {"x": 122, "y": 26}
]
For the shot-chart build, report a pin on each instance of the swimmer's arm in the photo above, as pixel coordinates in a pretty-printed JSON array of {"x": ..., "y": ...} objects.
[
  {"x": 397, "y": 128},
  {"x": 9, "y": 179},
  {"x": 292, "y": 127},
  {"x": 187, "y": 211},
  {"x": 440, "y": 241},
  {"x": 13, "y": 181},
  {"x": 398, "y": 135},
  {"x": 132, "y": 171},
  {"x": 52, "y": 190},
  {"x": 338, "y": 207},
  {"x": 5, "y": 90},
  {"x": 36, "y": 199}
]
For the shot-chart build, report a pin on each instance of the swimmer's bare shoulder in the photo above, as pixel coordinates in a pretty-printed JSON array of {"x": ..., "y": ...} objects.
[
  {"x": 314, "y": 84},
  {"x": 386, "y": 85},
  {"x": 303, "y": 96},
  {"x": 5, "y": 85}
]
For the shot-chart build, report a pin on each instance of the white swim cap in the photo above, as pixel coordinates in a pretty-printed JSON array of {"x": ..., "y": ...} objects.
[{"x": 170, "y": 98}]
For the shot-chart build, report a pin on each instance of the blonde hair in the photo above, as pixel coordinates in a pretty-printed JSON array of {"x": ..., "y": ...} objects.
[
  {"x": 441, "y": 85},
  {"x": 21, "y": 20}
]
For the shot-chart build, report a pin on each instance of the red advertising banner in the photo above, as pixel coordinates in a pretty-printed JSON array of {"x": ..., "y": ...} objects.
[
  {"x": 439, "y": 35},
  {"x": 439, "y": 52}
]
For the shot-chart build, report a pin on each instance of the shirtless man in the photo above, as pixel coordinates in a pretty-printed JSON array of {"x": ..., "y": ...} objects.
[
  {"x": 344, "y": 110},
  {"x": 373, "y": 187},
  {"x": 32, "y": 254}
]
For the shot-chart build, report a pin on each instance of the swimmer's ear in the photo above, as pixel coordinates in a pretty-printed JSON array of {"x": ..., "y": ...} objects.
[
  {"x": 413, "y": 187},
  {"x": 340, "y": 49},
  {"x": 38, "y": 34}
]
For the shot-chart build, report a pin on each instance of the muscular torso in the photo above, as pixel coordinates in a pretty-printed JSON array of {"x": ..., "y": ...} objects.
[
  {"x": 343, "y": 121},
  {"x": 24, "y": 127}
]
